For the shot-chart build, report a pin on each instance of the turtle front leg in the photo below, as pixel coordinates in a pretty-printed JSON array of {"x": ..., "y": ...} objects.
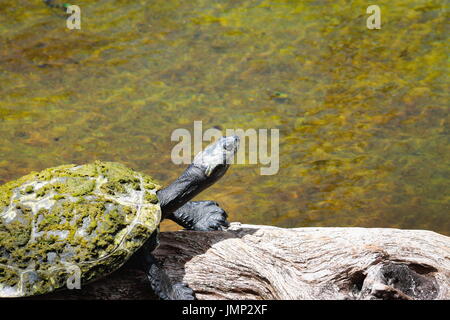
[{"x": 200, "y": 216}]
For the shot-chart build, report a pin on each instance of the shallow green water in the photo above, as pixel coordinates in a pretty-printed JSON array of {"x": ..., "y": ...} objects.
[{"x": 362, "y": 114}]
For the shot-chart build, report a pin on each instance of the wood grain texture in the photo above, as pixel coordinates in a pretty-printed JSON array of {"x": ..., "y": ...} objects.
[{"x": 264, "y": 262}]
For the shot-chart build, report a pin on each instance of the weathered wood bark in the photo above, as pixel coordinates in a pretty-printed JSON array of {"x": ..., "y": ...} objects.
[{"x": 263, "y": 262}]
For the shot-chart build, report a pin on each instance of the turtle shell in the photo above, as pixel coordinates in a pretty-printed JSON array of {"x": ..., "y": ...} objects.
[{"x": 72, "y": 224}]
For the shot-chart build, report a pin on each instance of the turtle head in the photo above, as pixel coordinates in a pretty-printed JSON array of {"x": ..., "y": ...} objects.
[
  {"x": 217, "y": 157},
  {"x": 208, "y": 167}
]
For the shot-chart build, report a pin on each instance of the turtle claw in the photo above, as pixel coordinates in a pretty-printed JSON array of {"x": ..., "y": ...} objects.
[
  {"x": 201, "y": 216},
  {"x": 210, "y": 217},
  {"x": 216, "y": 221},
  {"x": 181, "y": 291}
]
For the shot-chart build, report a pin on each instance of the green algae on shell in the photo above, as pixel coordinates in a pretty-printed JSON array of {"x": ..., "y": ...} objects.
[{"x": 89, "y": 218}]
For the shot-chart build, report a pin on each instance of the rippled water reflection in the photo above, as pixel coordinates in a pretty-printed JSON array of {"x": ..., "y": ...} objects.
[{"x": 362, "y": 114}]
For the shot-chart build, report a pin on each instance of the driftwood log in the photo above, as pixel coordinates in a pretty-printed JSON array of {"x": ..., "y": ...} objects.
[{"x": 263, "y": 262}]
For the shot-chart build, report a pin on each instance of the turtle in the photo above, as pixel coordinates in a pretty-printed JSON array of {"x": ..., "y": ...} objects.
[{"x": 70, "y": 225}]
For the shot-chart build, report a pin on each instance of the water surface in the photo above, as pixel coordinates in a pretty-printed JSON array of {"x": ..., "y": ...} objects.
[{"x": 362, "y": 114}]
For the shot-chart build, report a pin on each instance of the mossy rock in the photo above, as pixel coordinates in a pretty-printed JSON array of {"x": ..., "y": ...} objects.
[{"x": 72, "y": 221}]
